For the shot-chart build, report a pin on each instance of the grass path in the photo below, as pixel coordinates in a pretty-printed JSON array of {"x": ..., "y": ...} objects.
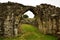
[{"x": 30, "y": 32}]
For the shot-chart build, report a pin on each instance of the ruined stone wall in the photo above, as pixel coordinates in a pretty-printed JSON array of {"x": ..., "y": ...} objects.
[
  {"x": 10, "y": 14},
  {"x": 49, "y": 17}
]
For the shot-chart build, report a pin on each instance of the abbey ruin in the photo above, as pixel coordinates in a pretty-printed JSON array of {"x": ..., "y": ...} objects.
[{"x": 47, "y": 18}]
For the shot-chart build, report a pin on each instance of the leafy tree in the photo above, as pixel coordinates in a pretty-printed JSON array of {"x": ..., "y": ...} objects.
[{"x": 25, "y": 16}]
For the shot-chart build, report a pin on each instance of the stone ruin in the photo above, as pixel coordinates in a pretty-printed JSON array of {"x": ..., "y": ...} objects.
[{"x": 47, "y": 18}]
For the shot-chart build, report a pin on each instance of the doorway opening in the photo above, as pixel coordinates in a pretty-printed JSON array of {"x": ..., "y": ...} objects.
[
  {"x": 28, "y": 18},
  {"x": 29, "y": 14}
]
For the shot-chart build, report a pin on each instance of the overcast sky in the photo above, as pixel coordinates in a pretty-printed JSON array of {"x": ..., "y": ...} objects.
[{"x": 34, "y": 3}]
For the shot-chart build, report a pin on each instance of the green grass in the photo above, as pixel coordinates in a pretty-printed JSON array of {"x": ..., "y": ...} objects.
[{"x": 30, "y": 32}]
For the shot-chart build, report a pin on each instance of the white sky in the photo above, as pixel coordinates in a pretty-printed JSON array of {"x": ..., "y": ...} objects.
[
  {"x": 35, "y": 2},
  {"x": 30, "y": 14}
]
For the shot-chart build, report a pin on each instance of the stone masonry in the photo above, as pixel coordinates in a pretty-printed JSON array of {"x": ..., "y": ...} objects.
[{"x": 47, "y": 17}]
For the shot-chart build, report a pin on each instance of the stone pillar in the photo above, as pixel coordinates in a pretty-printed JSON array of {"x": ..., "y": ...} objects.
[
  {"x": 58, "y": 25},
  {"x": 8, "y": 27},
  {"x": 54, "y": 26},
  {"x": 16, "y": 23},
  {"x": 50, "y": 26},
  {"x": 1, "y": 27}
]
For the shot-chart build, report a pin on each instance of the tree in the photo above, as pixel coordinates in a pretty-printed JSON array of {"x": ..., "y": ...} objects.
[{"x": 25, "y": 16}]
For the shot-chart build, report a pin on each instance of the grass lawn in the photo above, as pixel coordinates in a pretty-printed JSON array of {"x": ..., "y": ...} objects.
[{"x": 30, "y": 32}]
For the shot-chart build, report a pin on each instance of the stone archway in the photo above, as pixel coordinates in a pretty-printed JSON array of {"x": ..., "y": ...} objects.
[
  {"x": 46, "y": 17},
  {"x": 35, "y": 16},
  {"x": 29, "y": 19}
]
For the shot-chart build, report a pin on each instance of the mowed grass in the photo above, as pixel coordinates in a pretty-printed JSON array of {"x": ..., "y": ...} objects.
[{"x": 30, "y": 32}]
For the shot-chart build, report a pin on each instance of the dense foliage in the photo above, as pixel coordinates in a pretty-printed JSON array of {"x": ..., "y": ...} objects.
[{"x": 25, "y": 16}]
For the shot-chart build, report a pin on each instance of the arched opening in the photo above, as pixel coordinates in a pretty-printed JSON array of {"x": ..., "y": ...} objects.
[
  {"x": 29, "y": 14},
  {"x": 28, "y": 22},
  {"x": 28, "y": 18}
]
